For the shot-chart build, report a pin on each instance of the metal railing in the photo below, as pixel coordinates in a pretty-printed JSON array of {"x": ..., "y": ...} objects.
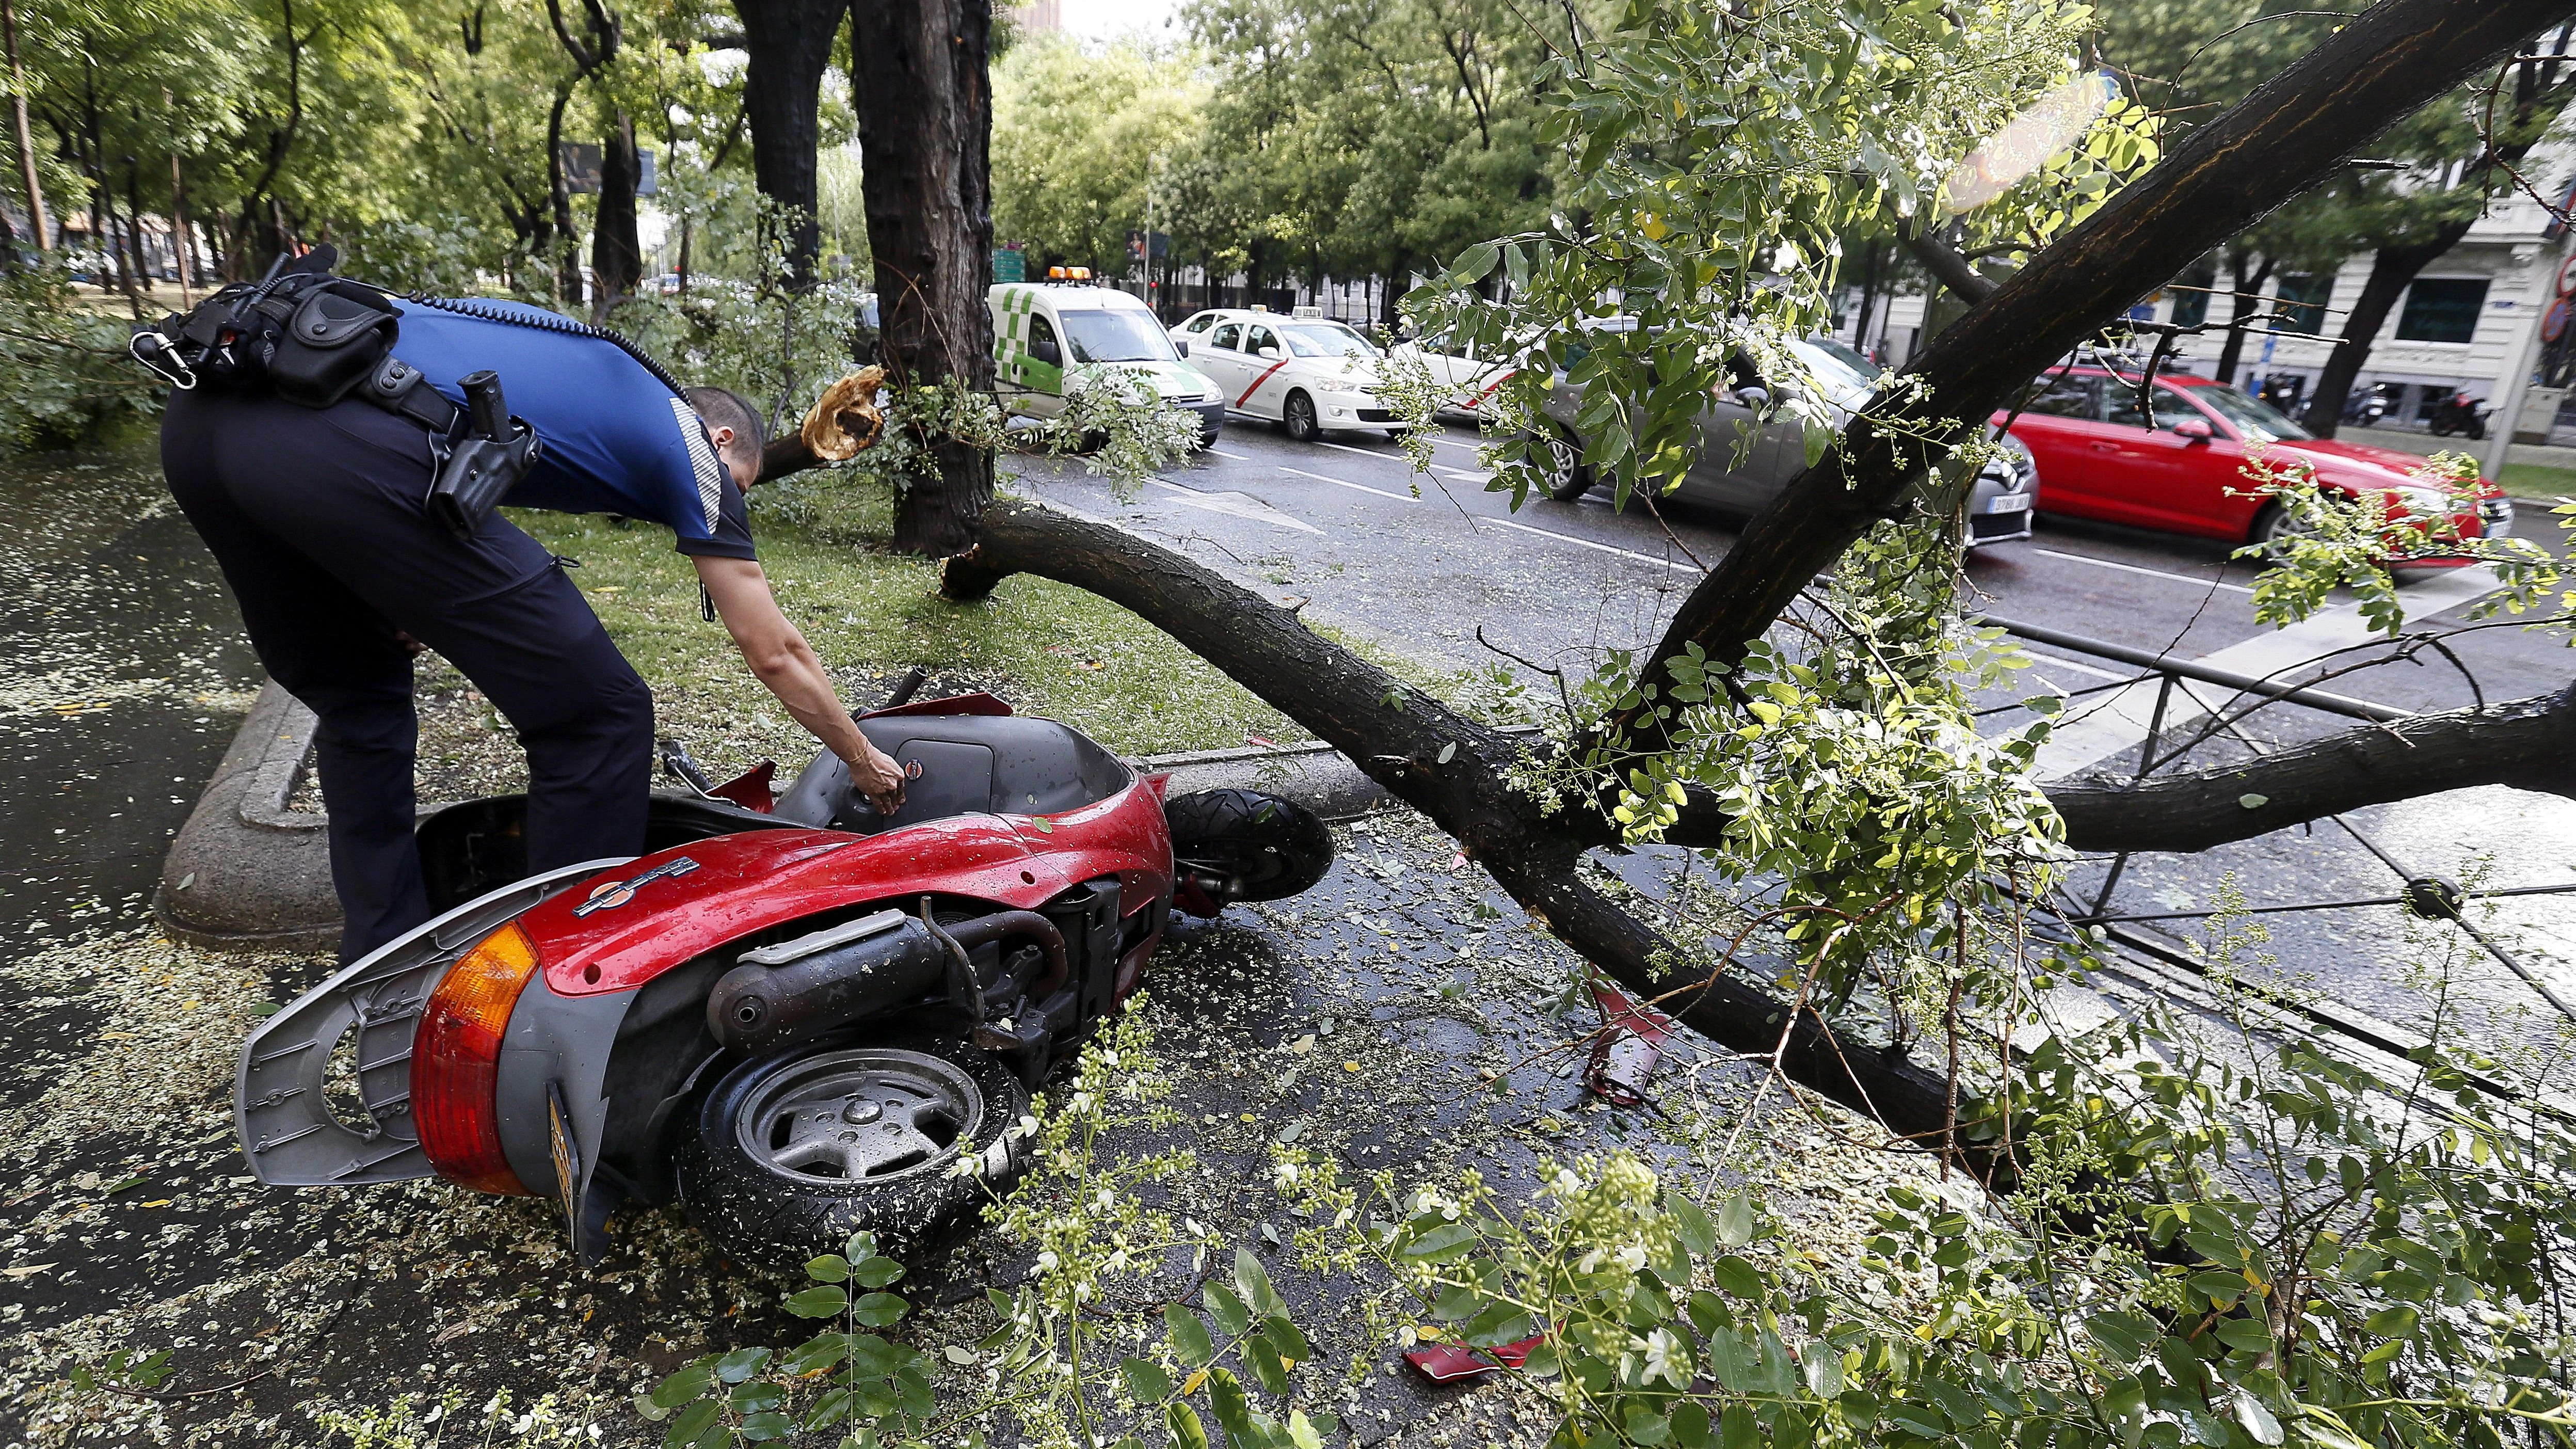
[{"x": 2428, "y": 896}]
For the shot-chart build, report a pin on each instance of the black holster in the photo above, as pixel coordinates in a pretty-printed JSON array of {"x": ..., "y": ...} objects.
[{"x": 482, "y": 467}]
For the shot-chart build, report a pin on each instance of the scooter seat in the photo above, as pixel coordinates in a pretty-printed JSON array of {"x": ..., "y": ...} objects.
[{"x": 958, "y": 765}]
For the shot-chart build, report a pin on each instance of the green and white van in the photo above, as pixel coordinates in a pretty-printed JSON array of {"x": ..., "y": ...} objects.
[{"x": 1048, "y": 335}]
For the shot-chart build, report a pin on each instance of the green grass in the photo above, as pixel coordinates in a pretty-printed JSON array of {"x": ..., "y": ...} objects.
[
  {"x": 870, "y": 614},
  {"x": 2538, "y": 481}
]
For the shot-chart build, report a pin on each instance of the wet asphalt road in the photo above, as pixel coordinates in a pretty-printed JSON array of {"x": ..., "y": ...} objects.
[{"x": 1427, "y": 561}]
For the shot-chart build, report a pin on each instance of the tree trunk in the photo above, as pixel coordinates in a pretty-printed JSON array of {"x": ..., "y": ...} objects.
[
  {"x": 26, "y": 135},
  {"x": 789, "y": 43},
  {"x": 925, "y": 107},
  {"x": 2245, "y": 298},
  {"x": 616, "y": 256},
  {"x": 2391, "y": 269}
]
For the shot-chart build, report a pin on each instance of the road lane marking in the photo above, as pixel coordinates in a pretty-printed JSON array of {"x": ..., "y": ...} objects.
[
  {"x": 1236, "y": 505},
  {"x": 2104, "y": 563},
  {"x": 1238, "y": 457},
  {"x": 1479, "y": 476},
  {"x": 1645, "y": 558},
  {"x": 2117, "y": 720},
  {"x": 1344, "y": 483}
]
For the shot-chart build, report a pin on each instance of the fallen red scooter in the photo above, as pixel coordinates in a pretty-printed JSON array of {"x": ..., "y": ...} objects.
[{"x": 796, "y": 1021}]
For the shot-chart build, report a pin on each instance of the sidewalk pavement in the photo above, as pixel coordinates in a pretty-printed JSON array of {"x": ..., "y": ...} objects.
[{"x": 2426, "y": 445}]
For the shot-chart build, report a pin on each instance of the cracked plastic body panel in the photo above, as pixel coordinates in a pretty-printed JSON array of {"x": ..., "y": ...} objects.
[{"x": 282, "y": 1088}]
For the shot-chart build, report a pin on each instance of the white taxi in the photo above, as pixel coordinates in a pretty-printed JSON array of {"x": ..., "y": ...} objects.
[{"x": 1306, "y": 372}]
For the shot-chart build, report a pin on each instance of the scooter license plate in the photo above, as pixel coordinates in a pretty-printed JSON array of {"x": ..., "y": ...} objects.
[{"x": 567, "y": 1157}]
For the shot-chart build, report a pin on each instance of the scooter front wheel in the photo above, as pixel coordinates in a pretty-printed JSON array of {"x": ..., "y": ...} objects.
[
  {"x": 1243, "y": 845},
  {"x": 792, "y": 1154}
]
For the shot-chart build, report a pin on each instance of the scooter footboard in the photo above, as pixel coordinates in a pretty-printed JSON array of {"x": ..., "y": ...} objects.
[{"x": 291, "y": 1128}]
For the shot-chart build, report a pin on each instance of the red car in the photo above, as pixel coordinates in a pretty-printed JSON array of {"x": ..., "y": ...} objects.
[{"x": 2184, "y": 472}]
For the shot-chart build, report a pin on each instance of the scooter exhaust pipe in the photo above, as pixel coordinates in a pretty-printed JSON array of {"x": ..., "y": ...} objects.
[{"x": 780, "y": 995}]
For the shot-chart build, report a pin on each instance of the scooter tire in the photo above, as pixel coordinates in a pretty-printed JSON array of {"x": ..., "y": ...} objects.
[
  {"x": 1244, "y": 845},
  {"x": 757, "y": 1211}
]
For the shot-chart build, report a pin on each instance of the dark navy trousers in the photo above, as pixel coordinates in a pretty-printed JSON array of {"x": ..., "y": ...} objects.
[{"x": 317, "y": 518}]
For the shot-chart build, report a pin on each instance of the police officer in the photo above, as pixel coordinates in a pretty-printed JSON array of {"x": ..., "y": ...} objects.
[{"x": 319, "y": 522}]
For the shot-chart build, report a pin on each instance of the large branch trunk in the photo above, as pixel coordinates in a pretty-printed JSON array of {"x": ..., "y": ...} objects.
[
  {"x": 2290, "y": 133},
  {"x": 2528, "y": 743},
  {"x": 788, "y": 43},
  {"x": 1400, "y": 736},
  {"x": 925, "y": 108}
]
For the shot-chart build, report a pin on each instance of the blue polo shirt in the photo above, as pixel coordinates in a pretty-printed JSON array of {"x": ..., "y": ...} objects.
[{"x": 616, "y": 439}]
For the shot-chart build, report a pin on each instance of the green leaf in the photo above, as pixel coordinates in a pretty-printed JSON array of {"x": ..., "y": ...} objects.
[
  {"x": 1226, "y": 1310},
  {"x": 1283, "y": 1336},
  {"x": 756, "y": 1396},
  {"x": 1690, "y": 1425},
  {"x": 1691, "y": 1224},
  {"x": 1233, "y": 1411},
  {"x": 2394, "y": 1322},
  {"x": 1189, "y": 1337},
  {"x": 129, "y": 1185},
  {"x": 2123, "y": 1336},
  {"x": 1738, "y": 1429},
  {"x": 766, "y": 1426},
  {"x": 1265, "y": 1364},
  {"x": 1477, "y": 261},
  {"x": 1254, "y": 1283},
  {"x": 1146, "y": 1381},
  {"x": 876, "y": 1272},
  {"x": 2258, "y": 1420},
  {"x": 829, "y": 1268},
  {"x": 830, "y": 1409},
  {"x": 684, "y": 1430},
  {"x": 1447, "y": 1241},
  {"x": 1735, "y": 1220},
  {"x": 814, "y": 1355},
  {"x": 818, "y": 1302},
  {"x": 685, "y": 1385},
  {"x": 1737, "y": 1276},
  {"x": 741, "y": 1364},
  {"x": 876, "y": 1310},
  {"x": 1187, "y": 1431}
]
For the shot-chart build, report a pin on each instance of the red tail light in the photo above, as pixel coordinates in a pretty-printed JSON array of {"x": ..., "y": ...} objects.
[{"x": 456, "y": 1060}]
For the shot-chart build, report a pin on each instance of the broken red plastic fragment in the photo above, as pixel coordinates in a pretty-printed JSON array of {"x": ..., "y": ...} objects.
[
  {"x": 750, "y": 789},
  {"x": 1451, "y": 1363},
  {"x": 1625, "y": 1053}
]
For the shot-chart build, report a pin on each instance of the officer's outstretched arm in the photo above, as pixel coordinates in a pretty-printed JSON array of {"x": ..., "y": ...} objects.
[{"x": 784, "y": 662}]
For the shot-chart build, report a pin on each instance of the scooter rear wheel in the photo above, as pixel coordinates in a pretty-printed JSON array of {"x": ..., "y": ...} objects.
[{"x": 790, "y": 1155}]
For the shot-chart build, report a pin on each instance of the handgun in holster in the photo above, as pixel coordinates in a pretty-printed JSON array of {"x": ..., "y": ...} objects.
[{"x": 486, "y": 462}]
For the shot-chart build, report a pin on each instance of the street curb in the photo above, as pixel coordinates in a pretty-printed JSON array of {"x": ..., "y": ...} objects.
[{"x": 249, "y": 872}]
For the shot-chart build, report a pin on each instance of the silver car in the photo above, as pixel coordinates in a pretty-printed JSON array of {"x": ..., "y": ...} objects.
[{"x": 1999, "y": 507}]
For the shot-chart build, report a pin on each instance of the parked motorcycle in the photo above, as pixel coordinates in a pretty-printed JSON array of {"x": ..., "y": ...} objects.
[
  {"x": 796, "y": 1019},
  {"x": 2459, "y": 413},
  {"x": 2364, "y": 407}
]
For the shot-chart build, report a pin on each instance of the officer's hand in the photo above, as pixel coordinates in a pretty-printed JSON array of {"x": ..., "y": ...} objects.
[{"x": 878, "y": 778}]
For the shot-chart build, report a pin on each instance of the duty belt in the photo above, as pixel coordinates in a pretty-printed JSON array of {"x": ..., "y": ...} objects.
[{"x": 401, "y": 389}]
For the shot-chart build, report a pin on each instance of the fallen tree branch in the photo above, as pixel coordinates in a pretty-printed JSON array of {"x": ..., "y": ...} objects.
[
  {"x": 2526, "y": 743},
  {"x": 1451, "y": 768}
]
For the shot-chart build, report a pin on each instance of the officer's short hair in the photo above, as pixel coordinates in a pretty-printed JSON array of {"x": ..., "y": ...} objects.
[{"x": 726, "y": 410}]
